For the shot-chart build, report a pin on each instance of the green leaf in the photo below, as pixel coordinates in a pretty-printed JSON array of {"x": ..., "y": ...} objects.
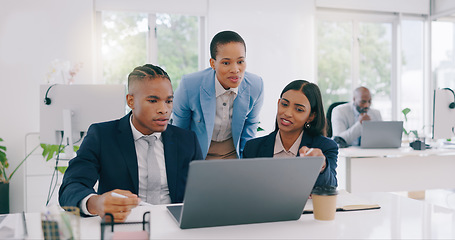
[
  {"x": 62, "y": 169},
  {"x": 5, "y": 164},
  {"x": 49, "y": 150},
  {"x": 3, "y": 159},
  {"x": 415, "y": 133},
  {"x": 405, "y": 113},
  {"x": 405, "y": 132},
  {"x": 45, "y": 150}
]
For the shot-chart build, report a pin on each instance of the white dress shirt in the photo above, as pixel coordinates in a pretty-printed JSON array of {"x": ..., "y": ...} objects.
[
  {"x": 141, "y": 152},
  {"x": 279, "y": 151},
  {"x": 345, "y": 122},
  {"x": 222, "y": 129}
]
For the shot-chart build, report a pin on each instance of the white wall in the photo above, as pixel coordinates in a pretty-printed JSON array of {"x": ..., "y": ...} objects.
[
  {"x": 443, "y": 7},
  {"x": 279, "y": 37},
  {"x": 32, "y": 34},
  {"x": 402, "y": 6}
]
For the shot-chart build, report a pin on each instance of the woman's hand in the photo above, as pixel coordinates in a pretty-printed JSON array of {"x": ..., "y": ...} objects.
[{"x": 312, "y": 152}]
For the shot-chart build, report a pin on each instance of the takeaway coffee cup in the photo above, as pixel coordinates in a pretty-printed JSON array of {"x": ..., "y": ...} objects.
[{"x": 324, "y": 202}]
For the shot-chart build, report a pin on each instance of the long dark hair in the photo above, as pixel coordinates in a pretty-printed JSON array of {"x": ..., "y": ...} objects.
[{"x": 312, "y": 92}]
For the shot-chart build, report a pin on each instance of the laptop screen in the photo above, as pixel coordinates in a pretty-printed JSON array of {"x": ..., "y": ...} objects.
[
  {"x": 240, "y": 191},
  {"x": 381, "y": 134}
]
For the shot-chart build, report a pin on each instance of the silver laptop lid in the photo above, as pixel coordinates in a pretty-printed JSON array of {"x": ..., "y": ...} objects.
[
  {"x": 240, "y": 191},
  {"x": 381, "y": 134}
]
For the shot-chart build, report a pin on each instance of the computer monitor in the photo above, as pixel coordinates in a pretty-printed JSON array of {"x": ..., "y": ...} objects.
[
  {"x": 67, "y": 111},
  {"x": 443, "y": 114}
]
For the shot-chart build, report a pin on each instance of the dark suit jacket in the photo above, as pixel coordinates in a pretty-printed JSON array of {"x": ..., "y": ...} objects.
[
  {"x": 108, "y": 154},
  {"x": 264, "y": 146}
]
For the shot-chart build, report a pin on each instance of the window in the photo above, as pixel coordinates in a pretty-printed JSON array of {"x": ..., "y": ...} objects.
[
  {"x": 130, "y": 39},
  {"x": 375, "y": 64},
  {"x": 124, "y": 44},
  {"x": 443, "y": 54},
  {"x": 355, "y": 49},
  {"x": 412, "y": 75},
  {"x": 353, "y": 54},
  {"x": 334, "y": 61}
]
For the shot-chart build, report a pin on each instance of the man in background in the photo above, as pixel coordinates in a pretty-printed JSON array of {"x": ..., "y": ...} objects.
[{"x": 347, "y": 118}]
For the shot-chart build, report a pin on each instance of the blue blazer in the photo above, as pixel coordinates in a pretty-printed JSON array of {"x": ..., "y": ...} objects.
[
  {"x": 195, "y": 107},
  {"x": 264, "y": 147},
  {"x": 108, "y": 154}
]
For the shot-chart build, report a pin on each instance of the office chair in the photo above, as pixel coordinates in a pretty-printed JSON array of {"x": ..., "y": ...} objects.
[{"x": 329, "y": 117}]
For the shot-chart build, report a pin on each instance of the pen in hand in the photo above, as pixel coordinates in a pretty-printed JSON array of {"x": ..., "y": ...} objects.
[
  {"x": 309, "y": 151},
  {"x": 141, "y": 203}
]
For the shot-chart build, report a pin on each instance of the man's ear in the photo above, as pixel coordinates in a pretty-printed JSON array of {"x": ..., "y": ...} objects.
[
  {"x": 212, "y": 63},
  {"x": 130, "y": 100}
]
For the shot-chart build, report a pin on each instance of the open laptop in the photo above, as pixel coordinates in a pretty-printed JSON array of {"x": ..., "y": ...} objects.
[
  {"x": 241, "y": 191},
  {"x": 381, "y": 134}
]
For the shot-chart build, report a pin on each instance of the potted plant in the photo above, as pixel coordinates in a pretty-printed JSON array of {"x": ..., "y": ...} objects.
[
  {"x": 5, "y": 178},
  {"x": 417, "y": 144},
  {"x": 49, "y": 151},
  {"x": 405, "y": 112}
]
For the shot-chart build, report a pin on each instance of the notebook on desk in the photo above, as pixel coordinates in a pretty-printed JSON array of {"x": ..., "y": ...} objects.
[
  {"x": 381, "y": 134},
  {"x": 346, "y": 202},
  {"x": 241, "y": 191}
]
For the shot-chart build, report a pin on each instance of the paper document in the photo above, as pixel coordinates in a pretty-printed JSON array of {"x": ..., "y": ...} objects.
[{"x": 12, "y": 226}]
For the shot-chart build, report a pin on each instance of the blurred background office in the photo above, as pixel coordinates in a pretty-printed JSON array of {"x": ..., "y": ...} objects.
[{"x": 401, "y": 50}]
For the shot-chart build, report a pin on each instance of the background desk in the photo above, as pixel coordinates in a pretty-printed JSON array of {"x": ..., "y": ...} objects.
[
  {"x": 399, "y": 217},
  {"x": 403, "y": 169}
]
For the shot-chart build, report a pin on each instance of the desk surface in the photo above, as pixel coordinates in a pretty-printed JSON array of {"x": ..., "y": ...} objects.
[
  {"x": 399, "y": 217},
  {"x": 391, "y": 152},
  {"x": 399, "y": 169}
]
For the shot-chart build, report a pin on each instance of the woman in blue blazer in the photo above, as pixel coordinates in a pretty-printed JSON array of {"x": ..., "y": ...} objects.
[
  {"x": 221, "y": 104},
  {"x": 299, "y": 131}
]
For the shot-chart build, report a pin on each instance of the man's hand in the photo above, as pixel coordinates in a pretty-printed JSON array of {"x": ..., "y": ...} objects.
[
  {"x": 120, "y": 208},
  {"x": 307, "y": 152},
  {"x": 364, "y": 117}
]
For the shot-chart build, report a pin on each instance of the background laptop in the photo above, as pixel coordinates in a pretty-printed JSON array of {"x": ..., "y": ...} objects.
[
  {"x": 240, "y": 191},
  {"x": 381, "y": 134}
]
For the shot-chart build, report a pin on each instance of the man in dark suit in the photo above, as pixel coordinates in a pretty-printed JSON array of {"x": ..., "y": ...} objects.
[{"x": 119, "y": 155}]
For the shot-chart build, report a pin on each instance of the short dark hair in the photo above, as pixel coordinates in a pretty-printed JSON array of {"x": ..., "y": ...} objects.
[
  {"x": 222, "y": 38},
  {"x": 146, "y": 71},
  {"x": 312, "y": 92}
]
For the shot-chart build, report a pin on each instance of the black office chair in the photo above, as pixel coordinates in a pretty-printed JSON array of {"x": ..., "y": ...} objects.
[{"x": 329, "y": 117}]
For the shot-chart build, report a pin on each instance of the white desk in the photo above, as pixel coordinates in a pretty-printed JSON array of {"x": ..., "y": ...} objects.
[
  {"x": 399, "y": 217},
  {"x": 403, "y": 169}
]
